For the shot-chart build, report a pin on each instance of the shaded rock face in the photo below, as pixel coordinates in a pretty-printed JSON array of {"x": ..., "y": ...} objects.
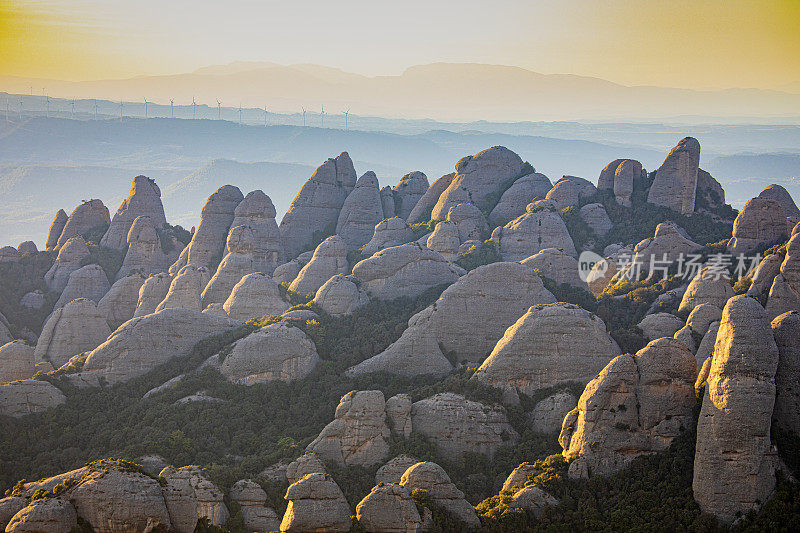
[
  {"x": 145, "y": 253},
  {"x": 668, "y": 242},
  {"x": 618, "y": 177},
  {"x": 706, "y": 348},
  {"x": 75, "y": 328},
  {"x": 407, "y": 270},
  {"x": 539, "y": 228},
  {"x": 185, "y": 289},
  {"x": 361, "y": 212},
  {"x": 532, "y": 498},
  {"x": 316, "y": 503},
  {"x": 393, "y": 471},
  {"x": 470, "y": 222},
  {"x": 144, "y": 198},
  {"x": 570, "y": 190},
  {"x": 445, "y": 240},
  {"x": 358, "y": 435},
  {"x": 318, "y": 203},
  {"x": 408, "y": 192},
  {"x": 549, "y": 345},
  {"x": 275, "y": 352},
  {"x": 432, "y": 478},
  {"x": 88, "y": 282},
  {"x": 87, "y": 216},
  {"x": 145, "y": 342},
  {"x": 50, "y": 515},
  {"x": 390, "y": 232},
  {"x": 387, "y": 202},
  {"x": 782, "y": 196},
  {"x": 20, "y": 398},
  {"x": 786, "y": 329},
  {"x": 258, "y": 212},
  {"x": 764, "y": 275},
  {"x": 340, "y": 295},
  {"x": 69, "y": 259},
  {"x": 389, "y": 508},
  {"x": 761, "y": 222},
  {"x": 458, "y": 426},
  {"x": 556, "y": 265},
  {"x": 33, "y": 300},
  {"x": 550, "y": 412},
  {"x": 56, "y": 228},
  {"x": 702, "y": 316},
  {"x": 9, "y": 506},
  {"x": 27, "y": 247},
  {"x": 784, "y": 294},
  {"x": 706, "y": 288},
  {"x": 251, "y": 498},
  {"x": 660, "y": 325},
  {"x": 709, "y": 191},
  {"x": 636, "y": 405},
  {"x": 254, "y": 296},
  {"x": 152, "y": 292},
  {"x": 398, "y": 409},
  {"x": 16, "y": 361},
  {"x": 189, "y": 495},
  {"x": 9, "y": 254},
  {"x": 208, "y": 242},
  {"x": 675, "y": 184},
  {"x": 307, "y": 463},
  {"x": 240, "y": 260},
  {"x": 734, "y": 466},
  {"x": 119, "y": 303},
  {"x": 329, "y": 259},
  {"x": 597, "y": 219},
  {"x": 517, "y": 197},
  {"x": 477, "y": 177},
  {"x": 423, "y": 208}
]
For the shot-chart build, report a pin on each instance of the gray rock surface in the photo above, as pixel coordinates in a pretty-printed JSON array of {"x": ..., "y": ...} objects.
[
  {"x": 761, "y": 222},
  {"x": 393, "y": 470},
  {"x": 597, "y": 219},
  {"x": 88, "y": 282},
  {"x": 390, "y": 232},
  {"x": 307, "y": 463},
  {"x": 152, "y": 292},
  {"x": 56, "y": 228},
  {"x": 786, "y": 329},
  {"x": 675, "y": 184},
  {"x": 445, "y": 240},
  {"x": 48, "y": 515},
  {"x": 387, "y": 202},
  {"x": 185, "y": 289},
  {"x": 427, "y": 201},
  {"x": 16, "y": 361},
  {"x": 556, "y": 265},
  {"x": 20, "y": 398},
  {"x": 77, "y": 327},
  {"x": 659, "y": 325},
  {"x": 539, "y": 228},
  {"x": 470, "y": 222},
  {"x": 389, "y": 509},
  {"x": 550, "y": 412},
  {"x": 784, "y": 295},
  {"x": 764, "y": 275},
  {"x": 408, "y": 192},
  {"x": 258, "y": 212},
  {"x": 532, "y": 498},
  {"x": 241, "y": 259},
  {"x": 707, "y": 287},
  {"x": 517, "y": 197},
  {"x": 340, "y": 295},
  {"x": 251, "y": 499},
  {"x": 706, "y": 348},
  {"x": 433, "y": 479},
  {"x": 88, "y": 216},
  {"x": 146, "y": 254},
  {"x": 361, "y": 212},
  {"x": 144, "y": 198},
  {"x": 254, "y": 296},
  {"x": 119, "y": 303},
  {"x": 316, "y": 503},
  {"x": 27, "y": 247},
  {"x": 189, "y": 496},
  {"x": 569, "y": 191},
  {"x": 9, "y": 506},
  {"x": 329, "y": 259},
  {"x": 70, "y": 258},
  {"x": 519, "y": 476},
  {"x": 32, "y": 300},
  {"x": 782, "y": 196},
  {"x": 702, "y": 316}
]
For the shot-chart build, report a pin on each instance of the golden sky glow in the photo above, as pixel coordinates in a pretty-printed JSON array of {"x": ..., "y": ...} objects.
[{"x": 693, "y": 44}]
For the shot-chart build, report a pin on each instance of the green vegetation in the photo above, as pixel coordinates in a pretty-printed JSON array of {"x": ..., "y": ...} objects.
[
  {"x": 479, "y": 255},
  {"x": 109, "y": 260},
  {"x": 16, "y": 280}
]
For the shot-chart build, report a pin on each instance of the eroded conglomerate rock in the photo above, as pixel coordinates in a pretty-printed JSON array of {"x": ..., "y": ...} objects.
[
  {"x": 254, "y": 296},
  {"x": 539, "y": 228},
  {"x": 9, "y": 506},
  {"x": 707, "y": 287},
  {"x": 550, "y": 412},
  {"x": 786, "y": 329},
  {"x": 340, "y": 295},
  {"x": 208, "y": 242},
  {"x": 734, "y": 465},
  {"x": 329, "y": 259},
  {"x": 784, "y": 294},
  {"x": 359, "y": 434},
  {"x": 16, "y": 361},
  {"x": 532, "y": 498},
  {"x": 387, "y": 202},
  {"x": 152, "y": 292},
  {"x": 257, "y": 211},
  {"x": 458, "y": 426},
  {"x": 407, "y": 270},
  {"x": 702, "y": 316},
  {"x": 47, "y": 515},
  {"x": 657, "y": 325},
  {"x": 119, "y": 303},
  {"x": 251, "y": 499},
  {"x": 432, "y": 478},
  {"x": 636, "y": 405},
  {"x": 274, "y": 352},
  {"x": 361, "y": 212},
  {"x": 569, "y": 191},
  {"x": 618, "y": 177},
  {"x": 706, "y": 348},
  {"x": 390, "y": 232},
  {"x": 316, "y": 206},
  {"x": 70, "y": 258},
  {"x": 422, "y": 210},
  {"x": 189, "y": 496},
  {"x": 27, "y": 247},
  {"x": 675, "y": 184},
  {"x": 549, "y": 345},
  {"x": 20, "y": 398},
  {"x": 185, "y": 289},
  {"x": 393, "y": 470},
  {"x": 469, "y": 220},
  {"x": 519, "y": 476},
  {"x": 597, "y": 219},
  {"x": 316, "y": 503},
  {"x": 9, "y": 254},
  {"x": 764, "y": 275},
  {"x": 477, "y": 178},
  {"x": 389, "y": 509},
  {"x": 556, "y": 265},
  {"x": 241, "y": 260},
  {"x": 408, "y": 192},
  {"x": 760, "y": 223},
  {"x": 88, "y": 216},
  {"x": 150, "y": 250},
  {"x": 144, "y": 199},
  {"x": 56, "y": 228},
  {"x": 77, "y": 327},
  {"x": 445, "y": 240},
  {"x": 655, "y": 254},
  {"x": 782, "y": 196},
  {"x": 307, "y": 463},
  {"x": 517, "y": 197},
  {"x": 145, "y": 342},
  {"x": 88, "y": 282}
]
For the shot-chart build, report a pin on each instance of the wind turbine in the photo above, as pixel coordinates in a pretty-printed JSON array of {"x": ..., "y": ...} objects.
[
  {"x": 145, "y": 108},
  {"x": 346, "y": 113},
  {"x": 219, "y": 110},
  {"x": 47, "y": 106},
  {"x": 322, "y": 116},
  {"x": 194, "y": 109},
  {"x": 171, "y": 108},
  {"x": 121, "y": 105},
  {"x": 73, "y": 109},
  {"x": 6, "y": 108},
  {"x": 20, "y": 108},
  {"x": 240, "y": 113},
  {"x": 265, "y": 116},
  {"x": 95, "y": 109}
]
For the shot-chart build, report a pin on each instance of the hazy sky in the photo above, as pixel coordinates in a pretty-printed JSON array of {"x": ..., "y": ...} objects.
[{"x": 693, "y": 44}]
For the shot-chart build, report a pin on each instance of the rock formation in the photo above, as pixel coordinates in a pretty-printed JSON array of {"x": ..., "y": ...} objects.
[
  {"x": 549, "y": 345},
  {"x": 539, "y": 228},
  {"x": 56, "y": 228},
  {"x": 316, "y": 503},
  {"x": 550, "y": 412},
  {"x": 153, "y": 291},
  {"x": 477, "y": 178},
  {"x": 88, "y": 282},
  {"x": 16, "y": 361},
  {"x": 654, "y": 254},
  {"x": 189, "y": 495},
  {"x": 760, "y": 223},
  {"x": 707, "y": 287},
  {"x": 287, "y": 272},
  {"x": 316, "y": 206},
  {"x": 517, "y": 197},
  {"x": 390, "y": 509},
  {"x": 764, "y": 275},
  {"x": 734, "y": 465},
  {"x": 240, "y": 261},
  {"x": 387, "y": 202},
  {"x": 470, "y": 222},
  {"x": 146, "y": 252},
  {"x": 556, "y": 265},
  {"x": 275, "y": 352},
  {"x": 569, "y": 191},
  {"x": 597, "y": 219},
  {"x": 75, "y": 328},
  {"x": 88, "y": 216},
  {"x": 784, "y": 294},
  {"x": 657, "y": 325},
  {"x": 432, "y": 478},
  {"x": 251, "y": 499},
  {"x": 422, "y": 210},
  {"x": 340, "y": 295},
  {"x": 445, "y": 240},
  {"x": 636, "y": 405},
  {"x": 782, "y": 196},
  {"x": 786, "y": 329},
  {"x": 70, "y": 258},
  {"x": 390, "y": 232},
  {"x": 408, "y": 192},
  {"x": 119, "y": 303},
  {"x": 9, "y": 254},
  {"x": 618, "y": 177},
  {"x": 254, "y": 296},
  {"x": 48, "y": 515},
  {"x": 20, "y": 398},
  {"x": 144, "y": 198},
  {"x": 185, "y": 288},
  {"x": 361, "y": 212},
  {"x": 33, "y": 300},
  {"x": 675, "y": 184},
  {"x": 307, "y": 463},
  {"x": 258, "y": 212},
  {"x": 27, "y": 247},
  {"x": 329, "y": 259},
  {"x": 393, "y": 471}
]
